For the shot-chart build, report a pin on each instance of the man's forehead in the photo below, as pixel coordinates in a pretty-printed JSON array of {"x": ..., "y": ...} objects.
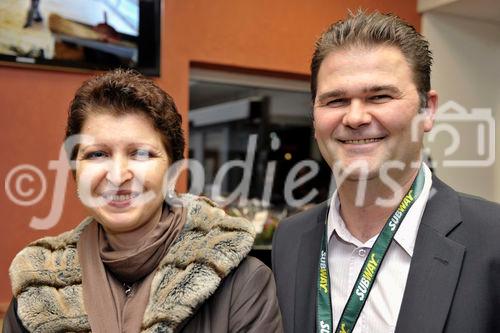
[
  {"x": 363, "y": 70},
  {"x": 363, "y": 56}
]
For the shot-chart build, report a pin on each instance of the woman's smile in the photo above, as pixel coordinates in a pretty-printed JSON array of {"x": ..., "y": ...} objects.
[
  {"x": 123, "y": 166},
  {"x": 120, "y": 199}
]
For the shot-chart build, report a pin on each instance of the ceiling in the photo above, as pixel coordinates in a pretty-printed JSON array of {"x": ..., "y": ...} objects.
[
  {"x": 485, "y": 10},
  {"x": 203, "y": 94}
]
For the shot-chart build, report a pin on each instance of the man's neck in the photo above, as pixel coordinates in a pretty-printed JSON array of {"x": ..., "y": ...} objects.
[{"x": 366, "y": 218}]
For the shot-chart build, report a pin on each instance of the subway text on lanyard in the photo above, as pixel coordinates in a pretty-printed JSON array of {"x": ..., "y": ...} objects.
[{"x": 368, "y": 273}]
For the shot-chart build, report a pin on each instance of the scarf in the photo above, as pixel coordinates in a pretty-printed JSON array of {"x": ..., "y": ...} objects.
[{"x": 117, "y": 277}]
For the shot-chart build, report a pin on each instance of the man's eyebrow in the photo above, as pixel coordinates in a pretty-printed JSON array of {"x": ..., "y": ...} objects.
[
  {"x": 332, "y": 94},
  {"x": 388, "y": 88}
]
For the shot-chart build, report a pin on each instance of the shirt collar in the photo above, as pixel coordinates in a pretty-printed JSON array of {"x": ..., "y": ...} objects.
[{"x": 407, "y": 232}]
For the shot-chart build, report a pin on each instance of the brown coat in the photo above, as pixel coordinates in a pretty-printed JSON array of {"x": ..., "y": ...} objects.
[
  {"x": 201, "y": 285},
  {"x": 244, "y": 302}
]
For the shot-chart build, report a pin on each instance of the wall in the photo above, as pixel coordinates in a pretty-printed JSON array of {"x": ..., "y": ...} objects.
[
  {"x": 275, "y": 36},
  {"x": 466, "y": 70}
]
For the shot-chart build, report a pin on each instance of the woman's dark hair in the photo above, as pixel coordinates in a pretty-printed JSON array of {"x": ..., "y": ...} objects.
[{"x": 122, "y": 92}]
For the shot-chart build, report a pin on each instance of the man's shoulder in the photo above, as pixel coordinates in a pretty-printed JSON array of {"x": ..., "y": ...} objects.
[
  {"x": 479, "y": 218},
  {"x": 479, "y": 209},
  {"x": 306, "y": 217},
  {"x": 290, "y": 230},
  {"x": 467, "y": 203},
  {"x": 477, "y": 201}
]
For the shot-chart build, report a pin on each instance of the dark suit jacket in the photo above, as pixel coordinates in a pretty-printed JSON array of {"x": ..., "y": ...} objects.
[{"x": 453, "y": 284}]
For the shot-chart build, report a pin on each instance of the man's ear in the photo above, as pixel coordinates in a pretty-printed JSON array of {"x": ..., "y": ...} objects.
[
  {"x": 314, "y": 130},
  {"x": 430, "y": 110},
  {"x": 313, "y": 121}
]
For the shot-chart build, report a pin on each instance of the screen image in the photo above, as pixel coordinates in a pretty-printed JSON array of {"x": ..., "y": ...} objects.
[{"x": 95, "y": 34}]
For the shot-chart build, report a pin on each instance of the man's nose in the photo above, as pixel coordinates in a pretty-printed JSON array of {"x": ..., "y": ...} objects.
[
  {"x": 119, "y": 171},
  {"x": 357, "y": 115}
]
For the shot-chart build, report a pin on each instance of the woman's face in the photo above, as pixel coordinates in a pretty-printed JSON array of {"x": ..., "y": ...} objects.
[{"x": 120, "y": 168}]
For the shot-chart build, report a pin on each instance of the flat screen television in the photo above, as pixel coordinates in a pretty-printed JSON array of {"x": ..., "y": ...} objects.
[{"x": 81, "y": 34}]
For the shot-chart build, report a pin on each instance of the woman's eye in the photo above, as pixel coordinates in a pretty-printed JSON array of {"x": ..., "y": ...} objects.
[
  {"x": 93, "y": 155},
  {"x": 142, "y": 154}
]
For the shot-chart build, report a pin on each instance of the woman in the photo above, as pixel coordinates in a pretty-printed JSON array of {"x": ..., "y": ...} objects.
[{"x": 138, "y": 264}]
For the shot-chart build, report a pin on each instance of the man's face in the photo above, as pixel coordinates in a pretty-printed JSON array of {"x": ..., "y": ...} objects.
[{"x": 365, "y": 103}]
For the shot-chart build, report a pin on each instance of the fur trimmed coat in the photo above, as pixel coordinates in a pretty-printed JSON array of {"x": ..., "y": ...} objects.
[{"x": 205, "y": 282}]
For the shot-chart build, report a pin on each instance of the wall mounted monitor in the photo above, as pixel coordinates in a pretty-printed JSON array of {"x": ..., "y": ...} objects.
[{"x": 81, "y": 34}]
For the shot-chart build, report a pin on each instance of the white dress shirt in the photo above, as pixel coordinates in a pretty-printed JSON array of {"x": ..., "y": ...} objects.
[{"x": 346, "y": 256}]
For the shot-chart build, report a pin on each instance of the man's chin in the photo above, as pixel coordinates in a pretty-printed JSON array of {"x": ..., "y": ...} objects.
[
  {"x": 359, "y": 170},
  {"x": 362, "y": 176}
]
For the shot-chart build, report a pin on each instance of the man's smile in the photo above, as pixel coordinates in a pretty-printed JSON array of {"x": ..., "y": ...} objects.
[{"x": 361, "y": 141}]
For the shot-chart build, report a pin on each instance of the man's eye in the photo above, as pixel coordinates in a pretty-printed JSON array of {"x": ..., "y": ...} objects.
[
  {"x": 142, "y": 154},
  {"x": 338, "y": 102},
  {"x": 94, "y": 155},
  {"x": 380, "y": 98}
]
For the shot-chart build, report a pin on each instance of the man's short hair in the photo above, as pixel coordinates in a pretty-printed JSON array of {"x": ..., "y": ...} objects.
[{"x": 374, "y": 29}]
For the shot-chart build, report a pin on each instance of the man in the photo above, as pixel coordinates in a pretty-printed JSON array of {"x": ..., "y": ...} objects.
[
  {"x": 33, "y": 14},
  {"x": 436, "y": 265}
]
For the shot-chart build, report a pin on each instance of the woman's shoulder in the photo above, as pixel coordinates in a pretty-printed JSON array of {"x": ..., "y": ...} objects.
[
  {"x": 62, "y": 240},
  {"x": 42, "y": 260},
  {"x": 251, "y": 265},
  {"x": 11, "y": 321},
  {"x": 253, "y": 301},
  {"x": 251, "y": 274},
  {"x": 251, "y": 281},
  {"x": 204, "y": 213}
]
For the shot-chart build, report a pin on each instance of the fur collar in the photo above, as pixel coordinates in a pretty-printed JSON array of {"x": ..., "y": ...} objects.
[{"x": 47, "y": 280}]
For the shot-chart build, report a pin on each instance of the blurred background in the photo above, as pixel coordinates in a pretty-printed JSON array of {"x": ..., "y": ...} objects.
[{"x": 235, "y": 69}]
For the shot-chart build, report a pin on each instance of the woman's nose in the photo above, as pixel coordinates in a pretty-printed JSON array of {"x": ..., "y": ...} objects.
[{"x": 118, "y": 171}]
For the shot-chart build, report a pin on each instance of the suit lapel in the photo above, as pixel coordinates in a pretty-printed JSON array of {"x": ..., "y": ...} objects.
[
  {"x": 435, "y": 266},
  {"x": 307, "y": 268}
]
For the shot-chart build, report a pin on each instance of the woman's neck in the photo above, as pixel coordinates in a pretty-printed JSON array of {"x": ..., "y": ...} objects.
[{"x": 134, "y": 238}]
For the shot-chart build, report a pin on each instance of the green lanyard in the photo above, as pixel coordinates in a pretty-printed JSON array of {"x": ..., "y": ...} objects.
[{"x": 368, "y": 272}]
